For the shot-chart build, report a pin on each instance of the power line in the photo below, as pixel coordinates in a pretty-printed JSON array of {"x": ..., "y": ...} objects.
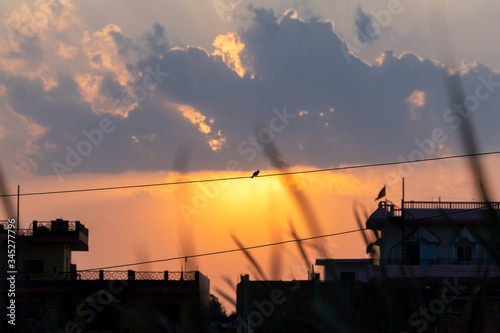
[
  {"x": 212, "y": 253},
  {"x": 259, "y": 246},
  {"x": 227, "y": 251},
  {"x": 359, "y": 166},
  {"x": 272, "y": 244}
]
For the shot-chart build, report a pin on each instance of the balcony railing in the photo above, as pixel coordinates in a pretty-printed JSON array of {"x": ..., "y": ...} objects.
[
  {"x": 391, "y": 209},
  {"x": 109, "y": 275},
  {"x": 57, "y": 225},
  {"x": 45, "y": 227},
  {"x": 22, "y": 232},
  {"x": 451, "y": 205}
]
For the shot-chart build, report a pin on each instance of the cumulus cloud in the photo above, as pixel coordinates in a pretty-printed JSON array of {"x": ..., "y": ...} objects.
[
  {"x": 28, "y": 28},
  {"x": 67, "y": 51},
  {"x": 282, "y": 76}
]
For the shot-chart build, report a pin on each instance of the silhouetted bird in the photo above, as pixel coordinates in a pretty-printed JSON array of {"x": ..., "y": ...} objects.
[{"x": 255, "y": 174}]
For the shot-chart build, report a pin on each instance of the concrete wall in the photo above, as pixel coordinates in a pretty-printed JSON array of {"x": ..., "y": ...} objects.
[{"x": 55, "y": 256}]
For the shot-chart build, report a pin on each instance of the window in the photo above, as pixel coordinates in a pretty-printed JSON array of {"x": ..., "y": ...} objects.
[
  {"x": 464, "y": 253},
  {"x": 427, "y": 253},
  {"x": 347, "y": 277},
  {"x": 412, "y": 254}
]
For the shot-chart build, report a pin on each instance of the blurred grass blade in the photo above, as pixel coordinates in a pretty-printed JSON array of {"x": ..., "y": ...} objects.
[
  {"x": 6, "y": 202},
  {"x": 249, "y": 256}
]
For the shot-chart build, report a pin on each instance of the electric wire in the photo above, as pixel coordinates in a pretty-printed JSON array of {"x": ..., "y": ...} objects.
[{"x": 359, "y": 166}]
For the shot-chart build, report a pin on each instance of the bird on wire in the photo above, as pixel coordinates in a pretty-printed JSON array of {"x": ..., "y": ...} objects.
[{"x": 255, "y": 174}]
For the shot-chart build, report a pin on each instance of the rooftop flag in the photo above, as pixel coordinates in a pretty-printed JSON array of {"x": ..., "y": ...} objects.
[{"x": 381, "y": 194}]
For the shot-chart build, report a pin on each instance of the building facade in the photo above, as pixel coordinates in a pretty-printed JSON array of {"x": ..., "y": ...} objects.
[{"x": 437, "y": 233}]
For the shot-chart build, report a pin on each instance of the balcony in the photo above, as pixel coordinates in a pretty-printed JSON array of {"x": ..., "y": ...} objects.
[{"x": 56, "y": 231}]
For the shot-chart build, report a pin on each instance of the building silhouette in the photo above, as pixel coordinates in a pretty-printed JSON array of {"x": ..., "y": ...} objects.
[
  {"x": 53, "y": 296},
  {"x": 435, "y": 268},
  {"x": 439, "y": 255},
  {"x": 437, "y": 233}
]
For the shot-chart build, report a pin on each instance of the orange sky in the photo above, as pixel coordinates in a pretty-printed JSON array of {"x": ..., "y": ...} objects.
[
  {"x": 217, "y": 74},
  {"x": 135, "y": 225}
]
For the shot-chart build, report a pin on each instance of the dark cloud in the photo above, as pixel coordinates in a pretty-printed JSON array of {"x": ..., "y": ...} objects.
[
  {"x": 154, "y": 43},
  {"x": 124, "y": 44},
  {"x": 151, "y": 44},
  {"x": 112, "y": 88},
  {"x": 365, "y": 29},
  {"x": 24, "y": 48},
  {"x": 295, "y": 64},
  {"x": 97, "y": 59}
]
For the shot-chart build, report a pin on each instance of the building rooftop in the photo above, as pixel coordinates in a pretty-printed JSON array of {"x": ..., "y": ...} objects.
[
  {"x": 432, "y": 211},
  {"x": 56, "y": 231}
]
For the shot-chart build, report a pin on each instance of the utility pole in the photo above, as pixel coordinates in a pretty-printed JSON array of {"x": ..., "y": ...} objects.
[
  {"x": 403, "y": 259},
  {"x": 17, "y": 217}
]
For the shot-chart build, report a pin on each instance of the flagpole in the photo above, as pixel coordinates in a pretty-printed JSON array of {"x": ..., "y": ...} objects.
[{"x": 385, "y": 186}]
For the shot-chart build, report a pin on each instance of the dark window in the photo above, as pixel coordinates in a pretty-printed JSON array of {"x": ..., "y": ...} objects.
[
  {"x": 347, "y": 276},
  {"x": 464, "y": 253},
  {"x": 412, "y": 252}
]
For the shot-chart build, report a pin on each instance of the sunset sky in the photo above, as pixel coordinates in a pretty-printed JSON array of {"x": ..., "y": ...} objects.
[{"x": 113, "y": 93}]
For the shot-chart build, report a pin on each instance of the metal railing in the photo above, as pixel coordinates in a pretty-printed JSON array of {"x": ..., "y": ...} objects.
[
  {"x": 40, "y": 227},
  {"x": 150, "y": 276},
  {"x": 109, "y": 275},
  {"x": 451, "y": 205},
  {"x": 391, "y": 209},
  {"x": 22, "y": 232},
  {"x": 57, "y": 225}
]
